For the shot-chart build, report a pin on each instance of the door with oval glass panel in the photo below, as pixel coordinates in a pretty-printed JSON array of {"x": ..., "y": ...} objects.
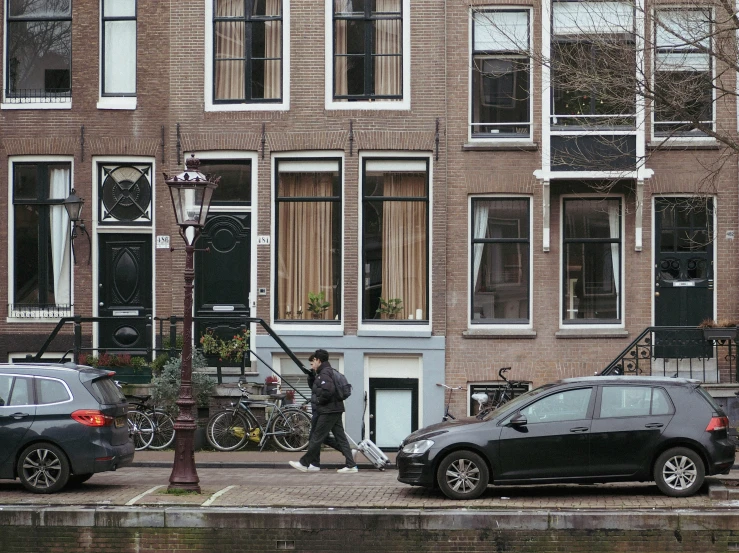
[{"x": 683, "y": 286}]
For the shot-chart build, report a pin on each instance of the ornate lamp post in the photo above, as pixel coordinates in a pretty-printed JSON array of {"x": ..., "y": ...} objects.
[{"x": 191, "y": 193}]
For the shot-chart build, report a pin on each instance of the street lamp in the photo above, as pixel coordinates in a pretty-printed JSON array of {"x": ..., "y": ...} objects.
[
  {"x": 191, "y": 193},
  {"x": 73, "y": 204}
]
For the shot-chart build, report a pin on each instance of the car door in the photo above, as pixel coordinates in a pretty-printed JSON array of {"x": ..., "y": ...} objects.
[
  {"x": 627, "y": 424},
  {"x": 16, "y": 416},
  {"x": 555, "y": 441}
]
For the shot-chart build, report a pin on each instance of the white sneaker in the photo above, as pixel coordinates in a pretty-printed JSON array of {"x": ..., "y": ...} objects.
[
  {"x": 347, "y": 470},
  {"x": 313, "y": 468},
  {"x": 297, "y": 465}
]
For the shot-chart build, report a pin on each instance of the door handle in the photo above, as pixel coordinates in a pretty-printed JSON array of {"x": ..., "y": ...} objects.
[
  {"x": 101, "y": 304},
  {"x": 19, "y": 415},
  {"x": 580, "y": 429},
  {"x": 654, "y": 425}
]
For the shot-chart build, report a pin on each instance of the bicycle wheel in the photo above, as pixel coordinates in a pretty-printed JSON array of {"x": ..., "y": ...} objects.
[
  {"x": 228, "y": 430},
  {"x": 141, "y": 428},
  {"x": 163, "y": 429},
  {"x": 291, "y": 430}
]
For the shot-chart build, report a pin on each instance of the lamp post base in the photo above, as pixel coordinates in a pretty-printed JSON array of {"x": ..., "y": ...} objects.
[{"x": 184, "y": 475}]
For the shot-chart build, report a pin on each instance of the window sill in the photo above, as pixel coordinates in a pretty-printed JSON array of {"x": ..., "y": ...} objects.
[
  {"x": 592, "y": 333},
  {"x": 304, "y": 330},
  {"x": 216, "y": 108},
  {"x": 37, "y": 105},
  {"x": 362, "y": 105},
  {"x": 394, "y": 333},
  {"x": 502, "y": 145},
  {"x": 499, "y": 333},
  {"x": 127, "y": 103},
  {"x": 684, "y": 143}
]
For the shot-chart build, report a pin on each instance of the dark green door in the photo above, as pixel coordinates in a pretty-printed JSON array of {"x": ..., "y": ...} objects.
[
  {"x": 683, "y": 288},
  {"x": 222, "y": 272},
  {"x": 124, "y": 292}
]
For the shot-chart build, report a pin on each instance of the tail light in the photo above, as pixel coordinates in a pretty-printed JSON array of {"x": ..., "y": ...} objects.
[
  {"x": 91, "y": 417},
  {"x": 717, "y": 424}
]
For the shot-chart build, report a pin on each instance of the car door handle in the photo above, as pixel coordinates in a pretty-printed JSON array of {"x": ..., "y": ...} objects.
[
  {"x": 19, "y": 415},
  {"x": 580, "y": 429},
  {"x": 654, "y": 425}
]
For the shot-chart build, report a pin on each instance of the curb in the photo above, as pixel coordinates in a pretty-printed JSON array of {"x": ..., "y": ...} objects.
[{"x": 252, "y": 464}]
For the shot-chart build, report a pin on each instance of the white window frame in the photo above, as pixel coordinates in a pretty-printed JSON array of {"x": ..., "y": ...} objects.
[
  {"x": 11, "y": 226},
  {"x": 532, "y": 85},
  {"x": 284, "y": 105},
  {"x": 127, "y": 102},
  {"x": 470, "y": 268},
  {"x": 370, "y": 105},
  {"x": 622, "y": 271}
]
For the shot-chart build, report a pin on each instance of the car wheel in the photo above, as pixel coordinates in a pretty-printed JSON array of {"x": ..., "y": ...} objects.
[
  {"x": 463, "y": 475},
  {"x": 679, "y": 472},
  {"x": 78, "y": 479},
  {"x": 43, "y": 468}
]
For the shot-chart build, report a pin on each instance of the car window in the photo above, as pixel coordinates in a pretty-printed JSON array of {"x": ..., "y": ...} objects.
[
  {"x": 105, "y": 391},
  {"x": 564, "y": 406},
  {"x": 661, "y": 404},
  {"x": 50, "y": 391},
  {"x": 5, "y": 383},
  {"x": 625, "y": 401},
  {"x": 22, "y": 391}
]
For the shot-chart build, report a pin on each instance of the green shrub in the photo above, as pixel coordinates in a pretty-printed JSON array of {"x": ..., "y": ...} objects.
[{"x": 166, "y": 384}]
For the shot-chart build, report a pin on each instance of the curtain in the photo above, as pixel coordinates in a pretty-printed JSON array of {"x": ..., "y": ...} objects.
[
  {"x": 229, "y": 73},
  {"x": 388, "y": 35},
  {"x": 305, "y": 236},
  {"x": 341, "y": 84},
  {"x": 613, "y": 225},
  {"x": 120, "y": 57},
  {"x": 481, "y": 225},
  {"x": 404, "y": 234},
  {"x": 273, "y": 52},
  {"x": 60, "y": 241}
]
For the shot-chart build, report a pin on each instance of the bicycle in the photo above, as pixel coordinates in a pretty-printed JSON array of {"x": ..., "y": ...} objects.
[
  {"x": 162, "y": 424},
  {"x": 447, "y": 415},
  {"x": 500, "y": 396},
  {"x": 234, "y": 428}
]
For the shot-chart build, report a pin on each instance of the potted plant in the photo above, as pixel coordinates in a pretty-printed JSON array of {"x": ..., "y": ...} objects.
[
  {"x": 317, "y": 304},
  {"x": 271, "y": 385},
  {"x": 390, "y": 307},
  {"x": 232, "y": 349},
  {"x": 129, "y": 369},
  {"x": 723, "y": 329},
  {"x": 289, "y": 397}
]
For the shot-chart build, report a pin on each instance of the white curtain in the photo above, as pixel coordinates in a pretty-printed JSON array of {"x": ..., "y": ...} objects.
[
  {"x": 120, "y": 57},
  {"x": 613, "y": 224},
  {"x": 388, "y": 35},
  {"x": 273, "y": 49},
  {"x": 481, "y": 225},
  {"x": 60, "y": 241}
]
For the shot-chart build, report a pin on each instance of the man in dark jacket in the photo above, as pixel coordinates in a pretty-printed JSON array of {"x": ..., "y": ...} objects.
[{"x": 327, "y": 412}]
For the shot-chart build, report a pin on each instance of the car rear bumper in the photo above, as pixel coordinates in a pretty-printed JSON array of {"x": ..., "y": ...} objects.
[
  {"x": 722, "y": 457},
  {"x": 113, "y": 457}
]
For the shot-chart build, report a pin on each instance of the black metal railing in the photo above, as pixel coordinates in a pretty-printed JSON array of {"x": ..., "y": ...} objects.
[
  {"x": 38, "y": 311},
  {"x": 679, "y": 352},
  {"x": 37, "y": 95}
]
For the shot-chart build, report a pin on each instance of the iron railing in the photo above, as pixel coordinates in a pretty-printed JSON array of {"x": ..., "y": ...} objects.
[{"x": 680, "y": 352}]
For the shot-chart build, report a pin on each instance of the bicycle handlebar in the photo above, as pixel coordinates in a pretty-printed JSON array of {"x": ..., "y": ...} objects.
[{"x": 503, "y": 370}]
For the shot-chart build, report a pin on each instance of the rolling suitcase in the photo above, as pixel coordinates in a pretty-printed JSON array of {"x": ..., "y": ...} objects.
[{"x": 373, "y": 453}]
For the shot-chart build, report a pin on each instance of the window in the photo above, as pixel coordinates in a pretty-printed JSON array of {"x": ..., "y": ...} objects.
[
  {"x": 247, "y": 51},
  {"x": 494, "y": 390},
  {"x": 41, "y": 240},
  {"x": 593, "y": 65},
  {"x": 51, "y": 391},
  {"x": 39, "y": 51},
  {"x": 500, "y": 260},
  {"x": 682, "y": 73},
  {"x": 633, "y": 401},
  {"x": 125, "y": 194},
  {"x": 569, "y": 405},
  {"x": 308, "y": 240},
  {"x": 592, "y": 260},
  {"x": 234, "y": 188},
  {"x": 119, "y": 48},
  {"x": 22, "y": 391},
  {"x": 367, "y": 50},
  {"x": 395, "y": 239},
  {"x": 501, "y": 94}
]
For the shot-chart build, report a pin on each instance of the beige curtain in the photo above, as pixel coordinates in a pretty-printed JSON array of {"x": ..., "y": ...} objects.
[
  {"x": 305, "y": 254},
  {"x": 388, "y": 35},
  {"x": 341, "y": 85},
  {"x": 404, "y": 244},
  {"x": 273, "y": 49},
  {"x": 229, "y": 75}
]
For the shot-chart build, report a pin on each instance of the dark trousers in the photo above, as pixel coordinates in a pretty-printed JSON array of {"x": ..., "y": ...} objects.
[{"x": 322, "y": 425}]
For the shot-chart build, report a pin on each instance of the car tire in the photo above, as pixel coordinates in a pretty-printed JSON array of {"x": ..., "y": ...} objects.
[
  {"x": 679, "y": 472},
  {"x": 43, "y": 468},
  {"x": 463, "y": 475}
]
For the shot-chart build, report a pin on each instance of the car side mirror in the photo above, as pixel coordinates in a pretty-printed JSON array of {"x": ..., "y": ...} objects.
[{"x": 518, "y": 420}]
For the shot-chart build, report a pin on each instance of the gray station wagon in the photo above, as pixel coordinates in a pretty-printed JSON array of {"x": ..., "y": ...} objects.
[
  {"x": 585, "y": 430},
  {"x": 60, "y": 424}
]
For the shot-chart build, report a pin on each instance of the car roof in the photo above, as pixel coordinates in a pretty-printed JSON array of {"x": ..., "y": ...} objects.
[
  {"x": 50, "y": 367},
  {"x": 664, "y": 380}
]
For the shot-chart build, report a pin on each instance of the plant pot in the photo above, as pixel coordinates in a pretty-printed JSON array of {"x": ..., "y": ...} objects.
[
  {"x": 720, "y": 333},
  {"x": 316, "y": 315},
  {"x": 270, "y": 389},
  {"x": 131, "y": 375}
]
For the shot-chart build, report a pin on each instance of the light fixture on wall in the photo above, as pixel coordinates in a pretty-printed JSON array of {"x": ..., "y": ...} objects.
[{"x": 74, "y": 204}]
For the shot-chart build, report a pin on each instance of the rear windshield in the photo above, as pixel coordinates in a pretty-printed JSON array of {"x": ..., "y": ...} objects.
[
  {"x": 105, "y": 391},
  {"x": 708, "y": 398}
]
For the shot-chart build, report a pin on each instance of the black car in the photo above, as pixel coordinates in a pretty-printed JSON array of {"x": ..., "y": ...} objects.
[
  {"x": 60, "y": 424},
  {"x": 585, "y": 430}
]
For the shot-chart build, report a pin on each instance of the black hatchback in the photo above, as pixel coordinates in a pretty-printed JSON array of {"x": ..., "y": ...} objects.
[
  {"x": 60, "y": 424},
  {"x": 584, "y": 430}
]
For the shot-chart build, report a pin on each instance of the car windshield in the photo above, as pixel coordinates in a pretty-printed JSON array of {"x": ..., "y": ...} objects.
[{"x": 516, "y": 402}]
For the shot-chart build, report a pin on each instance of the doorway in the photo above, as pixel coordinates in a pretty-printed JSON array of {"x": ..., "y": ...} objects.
[{"x": 393, "y": 410}]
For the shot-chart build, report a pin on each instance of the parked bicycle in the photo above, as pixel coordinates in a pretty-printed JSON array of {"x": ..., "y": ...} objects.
[
  {"x": 150, "y": 426},
  {"x": 236, "y": 427},
  {"x": 490, "y": 400},
  {"x": 447, "y": 415}
]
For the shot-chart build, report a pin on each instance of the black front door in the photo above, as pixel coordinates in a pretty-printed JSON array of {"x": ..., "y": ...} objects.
[
  {"x": 124, "y": 293},
  {"x": 683, "y": 288},
  {"x": 222, "y": 273}
]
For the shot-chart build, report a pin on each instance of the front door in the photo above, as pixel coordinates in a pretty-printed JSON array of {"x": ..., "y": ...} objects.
[
  {"x": 393, "y": 410},
  {"x": 683, "y": 288},
  {"x": 222, "y": 273},
  {"x": 125, "y": 293}
]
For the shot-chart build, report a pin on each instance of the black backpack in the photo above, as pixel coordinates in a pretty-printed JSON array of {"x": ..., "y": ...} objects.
[{"x": 343, "y": 388}]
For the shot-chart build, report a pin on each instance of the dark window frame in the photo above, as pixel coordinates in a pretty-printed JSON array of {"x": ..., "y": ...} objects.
[
  {"x": 107, "y": 19},
  {"x": 248, "y": 19}
]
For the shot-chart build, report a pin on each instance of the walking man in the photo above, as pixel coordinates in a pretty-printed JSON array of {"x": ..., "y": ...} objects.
[{"x": 327, "y": 412}]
